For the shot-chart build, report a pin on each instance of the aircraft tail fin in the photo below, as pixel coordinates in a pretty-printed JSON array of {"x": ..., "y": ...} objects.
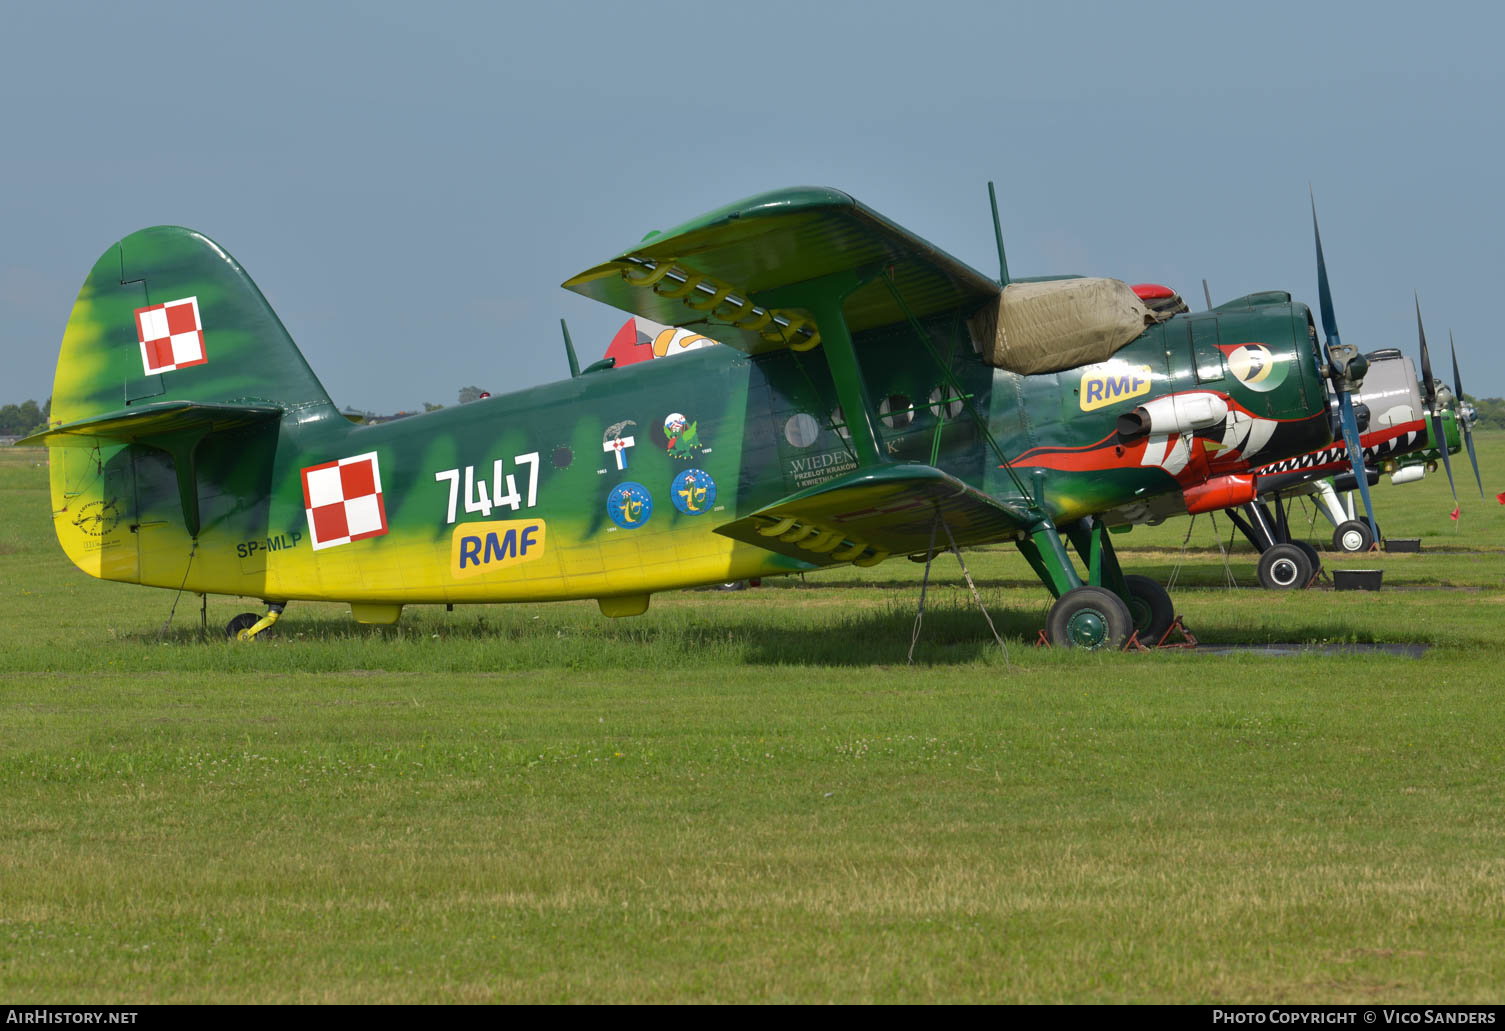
[
  {"x": 170, "y": 345},
  {"x": 165, "y": 315}
]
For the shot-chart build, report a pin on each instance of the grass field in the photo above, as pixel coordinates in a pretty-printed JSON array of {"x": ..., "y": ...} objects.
[{"x": 751, "y": 796}]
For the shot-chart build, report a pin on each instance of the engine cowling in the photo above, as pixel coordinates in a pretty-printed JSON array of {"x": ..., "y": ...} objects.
[{"x": 1179, "y": 413}]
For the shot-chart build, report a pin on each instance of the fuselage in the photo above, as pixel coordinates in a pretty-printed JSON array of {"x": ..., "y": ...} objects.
[{"x": 612, "y": 483}]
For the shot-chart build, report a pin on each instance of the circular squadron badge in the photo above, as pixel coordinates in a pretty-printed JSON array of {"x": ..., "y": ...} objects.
[
  {"x": 629, "y": 505},
  {"x": 694, "y": 492}
]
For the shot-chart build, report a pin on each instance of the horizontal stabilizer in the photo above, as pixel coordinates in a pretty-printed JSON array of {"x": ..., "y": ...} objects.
[
  {"x": 139, "y": 424},
  {"x": 175, "y": 427},
  {"x": 714, "y": 273},
  {"x": 863, "y": 517}
]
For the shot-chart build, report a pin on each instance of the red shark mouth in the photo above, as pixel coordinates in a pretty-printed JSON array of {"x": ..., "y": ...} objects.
[
  {"x": 1376, "y": 445},
  {"x": 1190, "y": 458}
]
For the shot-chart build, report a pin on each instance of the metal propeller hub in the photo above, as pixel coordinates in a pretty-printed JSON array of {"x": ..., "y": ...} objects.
[{"x": 1347, "y": 366}]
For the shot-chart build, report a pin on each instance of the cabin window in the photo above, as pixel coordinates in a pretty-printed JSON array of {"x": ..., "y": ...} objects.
[
  {"x": 839, "y": 422},
  {"x": 944, "y": 404},
  {"x": 896, "y": 411},
  {"x": 801, "y": 430}
]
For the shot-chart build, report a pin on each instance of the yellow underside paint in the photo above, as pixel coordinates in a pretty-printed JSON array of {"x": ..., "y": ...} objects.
[
  {"x": 377, "y": 615},
  {"x": 623, "y": 605},
  {"x": 98, "y": 528}
]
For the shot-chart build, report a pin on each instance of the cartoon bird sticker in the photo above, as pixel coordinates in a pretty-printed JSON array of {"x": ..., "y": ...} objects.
[{"x": 682, "y": 435}]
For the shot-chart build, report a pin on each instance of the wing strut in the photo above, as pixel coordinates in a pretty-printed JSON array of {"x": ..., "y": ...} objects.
[
  {"x": 914, "y": 637},
  {"x": 960, "y": 392},
  {"x": 823, "y": 298}
]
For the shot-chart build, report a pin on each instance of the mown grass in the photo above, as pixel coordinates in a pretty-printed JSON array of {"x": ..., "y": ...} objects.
[{"x": 751, "y": 797}]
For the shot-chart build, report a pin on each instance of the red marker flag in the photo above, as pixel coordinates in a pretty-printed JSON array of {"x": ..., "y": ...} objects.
[
  {"x": 1500, "y": 497},
  {"x": 1454, "y": 516}
]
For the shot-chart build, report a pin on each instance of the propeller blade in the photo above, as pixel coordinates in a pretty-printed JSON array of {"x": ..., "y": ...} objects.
[
  {"x": 1324, "y": 292},
  {"x": 1468, "y": 440},
  {"x": 1430, "y": 391},
  {"x": 1457, "y": 379},
  {"x": 1468, "y": 432},
  {"x": 1340, "y": 382},
  {"x": 1356, "y": 458},
  {"x": 1437, "y": 431}
]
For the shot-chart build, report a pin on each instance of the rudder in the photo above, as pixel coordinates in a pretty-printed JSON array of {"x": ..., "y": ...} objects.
[{"x": 167, "y": 314}]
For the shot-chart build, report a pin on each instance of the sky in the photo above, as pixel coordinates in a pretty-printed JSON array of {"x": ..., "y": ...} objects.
[{"x": 410, "y": 183}]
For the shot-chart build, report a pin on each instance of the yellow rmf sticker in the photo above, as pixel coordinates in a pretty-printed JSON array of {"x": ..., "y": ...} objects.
[
  {"x": 483, "y": 547},
  {"x": 1111, "y": 383}
]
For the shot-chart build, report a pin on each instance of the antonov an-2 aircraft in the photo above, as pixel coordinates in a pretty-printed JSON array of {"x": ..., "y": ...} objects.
[{"x": 873, "y": 396}]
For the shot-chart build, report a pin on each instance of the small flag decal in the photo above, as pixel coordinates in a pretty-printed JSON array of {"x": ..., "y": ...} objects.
[
  {"x": 171, "y": 336},
  {"x": 343, "y": 501}
]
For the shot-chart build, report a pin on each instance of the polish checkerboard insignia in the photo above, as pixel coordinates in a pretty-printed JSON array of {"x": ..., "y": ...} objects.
[
  {"x": 171, "y": 336},
  {"x": 343, "y": 501}
]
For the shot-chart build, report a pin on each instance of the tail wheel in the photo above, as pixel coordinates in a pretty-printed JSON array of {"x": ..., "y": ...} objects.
[
  {"x": 1285, "y": 567},
  {"x": 1089, "y": 617},
  {"x": 1150, "y": 607},
  {"x": 244, "y": 621},
  {"x": 1353, "y": 536}
]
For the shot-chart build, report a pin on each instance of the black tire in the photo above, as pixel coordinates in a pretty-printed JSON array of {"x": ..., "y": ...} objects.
[
  {"x": 244, "y": 621},
  {"x": 1311, "y": 554},
  {"x": 732, "y": 585},
  {"x": 1150, "y": 607},
  {"x": 1353, "y": 537},
  {"x": 1284, "y": 567},
  {"x": 1089, "y": 617}
]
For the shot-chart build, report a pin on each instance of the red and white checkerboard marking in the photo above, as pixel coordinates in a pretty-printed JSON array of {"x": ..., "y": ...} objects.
[
  {"x": 171, "y": 335},
  {"x": 343, "y": 501}
]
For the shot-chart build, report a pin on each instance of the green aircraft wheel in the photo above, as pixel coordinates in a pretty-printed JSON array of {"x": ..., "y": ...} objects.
[
  {"x": 1089, "y": 617},
  {"x": 1352, "y": 536},
  {"x": 244, "y": 621},
  {"x": 1284, "y": 567},
  {"x": 1150, "y": 607}
]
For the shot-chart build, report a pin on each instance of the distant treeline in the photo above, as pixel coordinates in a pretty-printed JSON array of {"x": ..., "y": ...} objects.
[
  {"x": 24, "y": 419},
  {"x": 1491, "y": 412}
]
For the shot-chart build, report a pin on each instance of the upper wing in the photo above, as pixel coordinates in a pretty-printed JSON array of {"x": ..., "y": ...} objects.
[
  {"x": 864, "y": 517},
  {"x": 711, "y": 272}
]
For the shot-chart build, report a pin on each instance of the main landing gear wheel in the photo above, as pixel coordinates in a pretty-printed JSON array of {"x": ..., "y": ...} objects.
[
  {"x": 244, "y": 621},
  {"x": 1285, "y": 567},
  {"x": 1089, "y": 617},
  {"x": 1311, "y": 554},
  {"x": 1150, "y": 607},
  {"x": 1352, "y": 536}
]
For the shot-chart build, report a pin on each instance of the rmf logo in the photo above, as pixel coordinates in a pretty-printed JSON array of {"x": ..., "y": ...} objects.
[
  {"x": 481, "y": 547},
  {"x": 1111, "y": 383}
]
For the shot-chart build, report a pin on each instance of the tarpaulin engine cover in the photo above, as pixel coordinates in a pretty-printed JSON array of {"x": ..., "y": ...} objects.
[{"x": 1060, "y": 324}]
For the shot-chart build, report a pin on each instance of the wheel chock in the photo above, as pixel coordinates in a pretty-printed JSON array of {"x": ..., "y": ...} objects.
[{"x": 1188, "y": 639}]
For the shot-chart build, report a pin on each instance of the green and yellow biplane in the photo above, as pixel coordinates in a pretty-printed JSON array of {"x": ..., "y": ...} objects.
[{"x": 873, "y": 397}]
